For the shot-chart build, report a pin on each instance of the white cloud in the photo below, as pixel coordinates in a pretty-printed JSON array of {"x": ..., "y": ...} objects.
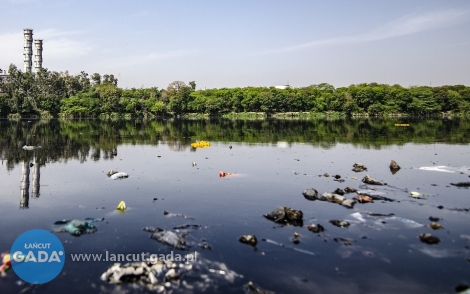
[{"x": 407, "y": 25}]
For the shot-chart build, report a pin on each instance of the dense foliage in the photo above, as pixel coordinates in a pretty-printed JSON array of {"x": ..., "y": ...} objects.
[{"x": 60, "y": 94}]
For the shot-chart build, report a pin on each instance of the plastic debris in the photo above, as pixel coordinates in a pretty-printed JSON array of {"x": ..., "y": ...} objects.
[
  {"x": 191, "y": 274},
  {"x": 248, "y": 239},
  {"x": 6, "y": 262},
  {"x": 286, "y": 215},
  {"x": 310, "y": 194},
  {"x": 121, "y": 206},
  {"x": 201, "y": 144},
  {"x": 224, "y": 174},
  {"x": 78, "y": 227},
  {"x": 114, "y": 174},
  {"x": 415, "y": 194},
  {"x": 315, "y": 228},
  {"x": 119, "y": 175},
  {"x": 371, "y": 181},
  {"x": 30, "y": 148},
  {"x": 359, "y": 167},
  {"x": 361, "y": 198},
  {"x": 349, "y": 190},
  {"x": 340, "y": 223},
  {"x": 429, "y": 239},
  {"x": 394, "y": 167},
  {"x": 435, "y": 226},
  {"x": 251, "y": 288},
  {"x": 358, "y": 216}
]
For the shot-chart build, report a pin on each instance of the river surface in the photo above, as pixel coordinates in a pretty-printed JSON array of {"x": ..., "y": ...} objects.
[{"x": 274, "y": 161}]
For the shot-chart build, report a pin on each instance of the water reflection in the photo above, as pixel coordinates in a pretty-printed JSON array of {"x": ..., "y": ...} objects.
[
  {"x": 36, "y": 180},
  {"x": 25, "y": 182},
  {"x": 24, "y": 190},
  {"x": 62, "y": 140}
]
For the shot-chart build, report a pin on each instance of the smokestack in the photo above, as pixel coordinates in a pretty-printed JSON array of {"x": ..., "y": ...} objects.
[
  {"x": 38, "y": 55},
  {"x": 28, "y": 49}
]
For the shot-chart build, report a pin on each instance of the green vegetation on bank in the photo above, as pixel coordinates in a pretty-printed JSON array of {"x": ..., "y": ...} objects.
[{"x": 53, "y": 94}]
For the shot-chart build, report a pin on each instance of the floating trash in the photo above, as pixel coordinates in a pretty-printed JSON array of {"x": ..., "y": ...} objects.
[
  {"x": 429, "y": 239},
  {"x": 358, "y": 216},
  {"x": 121, "y": 206},
  {"x": 435, "y": 226},
  {"x": 394, "y": 167},
  {"x": 6, "y": 262},
  {"x": 286, "y": 215},
  {"x": 371, "y": 181},
  {"x": 315, "y": 228},
  {"x": 248, "y": 239},
  {"x": 78, "y": 227},
  {"x": 201, "y": 144},
  {"x": 359, "y": 167},
  {"x": 192, "y": 273},
  {"x": 114, "y": 174},
  {"x": 168, "y": 238},
  {"x": 361, "y": 198},
  {"x": 224, "y": 174},
  {"x": 30, "y": 148},
  {"x": 340, "y": 223},
  {"x": 251, "y": 288},
  {"x": 415, "y": 194}
]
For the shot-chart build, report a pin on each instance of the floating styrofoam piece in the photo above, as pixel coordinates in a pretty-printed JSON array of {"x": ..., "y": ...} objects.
[{"x": 119, "y": 175}]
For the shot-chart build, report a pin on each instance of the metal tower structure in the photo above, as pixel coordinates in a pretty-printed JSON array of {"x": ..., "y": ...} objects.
[
  {"x": 28, "y": 49},
  {"x": 37, "y": 55}
]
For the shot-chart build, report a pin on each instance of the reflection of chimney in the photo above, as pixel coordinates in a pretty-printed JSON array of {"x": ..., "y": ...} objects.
[
  {"x": 24, "y": 195},
  {"x": 36, "y": 181},
  {"x": 37, "y": 55},
  {"x": 28, "y": 50}
]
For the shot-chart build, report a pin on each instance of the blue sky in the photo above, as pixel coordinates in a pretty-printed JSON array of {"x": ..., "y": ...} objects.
[{"x": 246, "y": 42}]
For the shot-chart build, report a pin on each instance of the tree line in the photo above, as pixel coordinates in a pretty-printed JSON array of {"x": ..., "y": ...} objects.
[{"x": 53, "y": 94}]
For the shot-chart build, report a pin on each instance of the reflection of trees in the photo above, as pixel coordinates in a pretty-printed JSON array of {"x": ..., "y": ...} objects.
[
  {"x": 96, "y": 140},
  {"x": 36, "y": 180},
  {"x": 24, "y": 190}
]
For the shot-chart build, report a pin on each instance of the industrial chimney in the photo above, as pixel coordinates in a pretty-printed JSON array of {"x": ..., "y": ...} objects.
[
  {"x": 28, "y": 49},
  {"x": 37, "y": 55}
]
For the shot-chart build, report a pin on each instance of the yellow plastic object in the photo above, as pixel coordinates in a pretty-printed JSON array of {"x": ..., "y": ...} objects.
[
  {"x": 201, "y": 144},
  {"x": 121, "y": 206},
  {"x": 6, "y": 263},
  {"x": 402, "y": 125}
]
